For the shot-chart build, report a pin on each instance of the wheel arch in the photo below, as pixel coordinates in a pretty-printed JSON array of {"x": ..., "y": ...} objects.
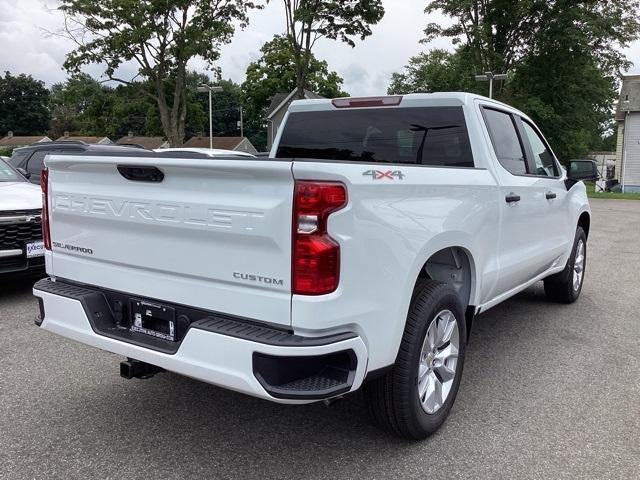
[
  {"x": 449, "y": 254},
  {"x": 451, "y": 240},
  {"x": 584, "y": 221},
  {"x": 453, "y": 265}
]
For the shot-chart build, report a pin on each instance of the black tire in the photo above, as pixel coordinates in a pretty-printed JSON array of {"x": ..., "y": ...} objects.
[
  {"x": 393, "y": 399},
  {"x": 560, "y": 287}
]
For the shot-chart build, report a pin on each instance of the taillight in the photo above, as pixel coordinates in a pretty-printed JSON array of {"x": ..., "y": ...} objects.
[
  {"x": 315, "y": 255},
  {"x": 44, "y": 186}
]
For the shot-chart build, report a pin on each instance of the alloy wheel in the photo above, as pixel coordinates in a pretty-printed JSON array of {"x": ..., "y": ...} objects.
[
  {"x": 578, "y": 266},
  {"x": 438, "y": 361}
]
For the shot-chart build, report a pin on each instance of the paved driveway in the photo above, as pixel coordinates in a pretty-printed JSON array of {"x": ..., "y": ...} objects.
[{"x": 549, "y": 391}]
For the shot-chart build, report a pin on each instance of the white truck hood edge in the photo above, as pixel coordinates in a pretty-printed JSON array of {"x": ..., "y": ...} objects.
[{"x": 19, "y": 196}]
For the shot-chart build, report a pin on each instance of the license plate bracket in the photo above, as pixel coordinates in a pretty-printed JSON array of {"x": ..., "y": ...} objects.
[
  {"x": 34, "y": 249},
  {"x": 153, "y": 319}
]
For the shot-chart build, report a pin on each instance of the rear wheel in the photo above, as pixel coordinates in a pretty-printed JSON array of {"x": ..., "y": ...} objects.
[
  {"x": 565, "y": 287},
  {"x": 415, "y": 397}
]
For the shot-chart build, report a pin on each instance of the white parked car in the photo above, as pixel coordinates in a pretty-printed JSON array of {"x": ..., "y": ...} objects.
[
  {"x": 357, "y": 256},
  {"x": 210, "y": 152},
  {"x": 21, "y": 247}
]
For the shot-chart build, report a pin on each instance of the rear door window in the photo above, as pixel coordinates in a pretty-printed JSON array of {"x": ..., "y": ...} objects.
[
  {"x": 544, "y": 163},
  {"x": 18, "y": 158},
  {"x": 36, "y": 162},
  {"x": 506, "y": 142},
  {"x": 435, "y": 136}
]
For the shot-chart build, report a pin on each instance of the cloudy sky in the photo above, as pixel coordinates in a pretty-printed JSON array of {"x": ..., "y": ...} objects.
[{"x": 26, "y": 47}]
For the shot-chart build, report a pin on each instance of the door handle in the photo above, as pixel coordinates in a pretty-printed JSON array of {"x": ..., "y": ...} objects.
[
  {"x": 512, "y": 197},
  {"x": 141, "y": 173},
  {"x": 551, "y": 195}
]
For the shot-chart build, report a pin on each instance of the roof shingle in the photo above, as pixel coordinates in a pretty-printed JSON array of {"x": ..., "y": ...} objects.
[
  {"x": 18, "y": 141},
  {"x": 147, "y": 142},
  {"x": 223, "y": 143},
  {"x": 85, "y": 139}
]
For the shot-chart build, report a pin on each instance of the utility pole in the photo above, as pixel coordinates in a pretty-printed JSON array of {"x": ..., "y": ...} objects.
[
  {"x": 241, "y": 123},
  {"x": 211, "y": 89},
  {"x": 490, "y": 77}
]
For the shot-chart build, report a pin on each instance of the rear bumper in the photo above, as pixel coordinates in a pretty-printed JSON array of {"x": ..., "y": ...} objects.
[{"x": 276, "y": 366}]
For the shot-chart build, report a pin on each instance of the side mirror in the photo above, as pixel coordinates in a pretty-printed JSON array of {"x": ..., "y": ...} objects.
[
  {"x": 581, "y": 170},
  {"x": 23, "y": 172}
]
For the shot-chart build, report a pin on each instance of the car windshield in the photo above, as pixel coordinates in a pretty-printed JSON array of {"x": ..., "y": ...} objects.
[{"x": 8, "y": 174}]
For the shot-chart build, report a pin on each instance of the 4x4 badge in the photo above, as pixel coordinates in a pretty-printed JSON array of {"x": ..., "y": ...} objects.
[{"x": 385, "y": 174}]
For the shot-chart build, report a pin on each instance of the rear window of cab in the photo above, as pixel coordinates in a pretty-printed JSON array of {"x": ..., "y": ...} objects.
[{"x": 435, "y": 136}]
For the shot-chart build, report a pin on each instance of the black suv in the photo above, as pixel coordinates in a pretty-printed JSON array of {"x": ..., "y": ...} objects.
[{"x": 30, "y": 160}]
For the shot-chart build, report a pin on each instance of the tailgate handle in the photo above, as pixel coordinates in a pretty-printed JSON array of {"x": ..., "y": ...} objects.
[{"x": 137, "y": 173}]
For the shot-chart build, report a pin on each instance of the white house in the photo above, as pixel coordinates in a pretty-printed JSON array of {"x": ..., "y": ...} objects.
[{"x": 628, "y": 144}]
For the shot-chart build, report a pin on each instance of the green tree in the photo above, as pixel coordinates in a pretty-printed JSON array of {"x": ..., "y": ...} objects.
[
  {"x": 275, "y": 72},
  {"x": 308, "y": 21},
  {"x": 24, "y": 108},
  {"x": 564, "y": 57},
  {"x": 84, "y": 106},
  {"x": 500, "y": 33},
  {"x": 132, "y": 112},
  {"x": 436, "y": 71},
  {"x": 159, "y": 38},
  {"x": 79, "y": 105},
  {"x": 493, "y": 30},
  {"x": 226, "y": 108},
  {"x": 568, "y": 83}
]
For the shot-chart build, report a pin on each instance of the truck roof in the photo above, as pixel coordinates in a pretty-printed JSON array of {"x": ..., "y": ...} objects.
[{"x": 409, "y": 100}]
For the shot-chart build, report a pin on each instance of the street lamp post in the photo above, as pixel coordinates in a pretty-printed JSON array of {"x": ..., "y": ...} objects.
[
  {"x": 490, "y": 77},
  {"x": 211, "y": 89}
]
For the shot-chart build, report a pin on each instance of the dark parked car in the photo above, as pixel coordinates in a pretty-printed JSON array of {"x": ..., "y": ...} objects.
[{"x": 29, "y": 160}]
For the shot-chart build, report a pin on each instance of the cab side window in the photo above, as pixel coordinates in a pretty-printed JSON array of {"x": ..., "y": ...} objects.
[
  {"x": 506, "y": 142},
  {"x": 18, "y": 158},
  {"x": 542, "y": 156},
  {"x": 36, "y": 162}
]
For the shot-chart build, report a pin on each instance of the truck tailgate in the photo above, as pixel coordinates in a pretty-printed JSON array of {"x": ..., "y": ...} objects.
[{"x": 213, "y": 234}]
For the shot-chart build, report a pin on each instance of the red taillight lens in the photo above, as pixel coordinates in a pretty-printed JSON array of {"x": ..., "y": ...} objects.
[
  {"x": 44, "y": 186},
  {"x": 315, "y": 255}
]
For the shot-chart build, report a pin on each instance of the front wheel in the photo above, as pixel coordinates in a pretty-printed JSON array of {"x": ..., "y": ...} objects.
[
  {"x": 565, "y": 287},
  {"x": 414, "y": 398}
]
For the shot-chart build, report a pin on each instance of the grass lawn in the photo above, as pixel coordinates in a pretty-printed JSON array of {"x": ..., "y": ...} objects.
[{"x": 591, "y": 193}]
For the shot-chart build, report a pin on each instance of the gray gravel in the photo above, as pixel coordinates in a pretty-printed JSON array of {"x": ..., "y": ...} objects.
[{"x": 549, "y": 391}]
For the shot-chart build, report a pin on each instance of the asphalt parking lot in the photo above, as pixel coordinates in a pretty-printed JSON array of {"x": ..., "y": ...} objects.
[{"x": 549, "y": 391}]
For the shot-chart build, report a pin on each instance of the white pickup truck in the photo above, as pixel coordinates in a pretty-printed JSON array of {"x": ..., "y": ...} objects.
[{"x": 356, "y": 256}]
